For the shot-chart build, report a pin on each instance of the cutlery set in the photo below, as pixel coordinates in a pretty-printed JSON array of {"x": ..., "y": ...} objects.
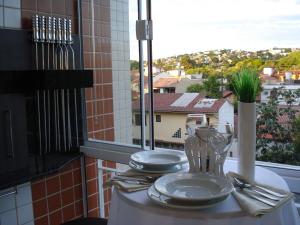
[{"x": 258, "y": 192}]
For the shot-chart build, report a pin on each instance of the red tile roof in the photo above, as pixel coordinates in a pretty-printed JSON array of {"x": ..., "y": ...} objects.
[
  {"x": 226, "y": 93},
  {"x": 165, "y": 82},
  {"x": 163, "y": 102}
]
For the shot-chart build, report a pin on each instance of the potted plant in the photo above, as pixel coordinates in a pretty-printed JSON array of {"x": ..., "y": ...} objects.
[{"x": 246, "y": 85}]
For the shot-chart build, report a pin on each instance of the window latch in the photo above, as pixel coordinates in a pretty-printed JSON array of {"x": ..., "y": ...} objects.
[{"x": 144, "y": 30}]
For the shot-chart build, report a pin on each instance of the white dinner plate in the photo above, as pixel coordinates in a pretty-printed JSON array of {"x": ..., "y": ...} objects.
[
  {"x": 166, "y": 201},
  {"x": 193, "y": 186},
  {"x": 159, "y": 157},
  {"x": 149, "y": 169}
]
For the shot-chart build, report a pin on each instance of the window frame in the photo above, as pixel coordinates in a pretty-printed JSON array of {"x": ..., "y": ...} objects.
[{"x": 120, "y": 153}]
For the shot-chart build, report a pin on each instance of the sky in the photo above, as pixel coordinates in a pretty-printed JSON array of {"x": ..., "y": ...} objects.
[{"x": 187, "y": 26}]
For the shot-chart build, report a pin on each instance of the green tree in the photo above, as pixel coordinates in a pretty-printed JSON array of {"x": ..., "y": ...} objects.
[
  {"x": 194, "y": 88},
  {"x": 291, "y": 61},
  {"x": 275, "y": 140},
  {"x": 212, "y": 87},
  {"x": 187, "y": 62},
  {"x": 134, "y": 65}
]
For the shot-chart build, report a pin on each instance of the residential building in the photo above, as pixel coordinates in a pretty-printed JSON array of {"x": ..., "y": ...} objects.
[{"x": 170, "y": 114}]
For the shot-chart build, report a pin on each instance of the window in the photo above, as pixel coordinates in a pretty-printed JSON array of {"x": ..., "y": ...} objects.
[
  {"x": 158, "y": 118},
  {"x": 177, "y": 134},
  {"x": 137, "y": 119}
]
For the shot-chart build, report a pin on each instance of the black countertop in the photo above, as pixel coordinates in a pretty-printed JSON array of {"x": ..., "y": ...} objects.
[{"x": 38, "y": 166}]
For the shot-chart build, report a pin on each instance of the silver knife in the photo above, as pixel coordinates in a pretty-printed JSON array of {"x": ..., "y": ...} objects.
[{"x": 254, "y": 196}]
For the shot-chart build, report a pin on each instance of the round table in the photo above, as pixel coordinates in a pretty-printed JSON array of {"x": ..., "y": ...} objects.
[{"x": 137, "y": 209}]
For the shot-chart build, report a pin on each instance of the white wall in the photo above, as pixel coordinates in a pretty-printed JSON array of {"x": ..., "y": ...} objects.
[
  {"x": 121, "y": 71},
  {"x": 16, "y": 209},
  {"x": 226, "y": 113}
]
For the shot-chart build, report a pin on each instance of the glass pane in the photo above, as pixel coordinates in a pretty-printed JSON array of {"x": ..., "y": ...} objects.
[
  {"x": 108, "y": 50},
  {"x": 199, "y": 45}
]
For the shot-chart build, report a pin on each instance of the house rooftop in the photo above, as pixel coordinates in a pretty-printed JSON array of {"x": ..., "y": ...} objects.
[{"x": 182, "y": 103}]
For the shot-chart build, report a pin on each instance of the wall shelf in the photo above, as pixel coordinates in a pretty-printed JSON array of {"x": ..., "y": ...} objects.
[{"x": 30, "y": 80}]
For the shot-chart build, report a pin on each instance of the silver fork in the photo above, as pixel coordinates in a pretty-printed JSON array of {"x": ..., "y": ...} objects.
[
  {"x": 242, "y": 186},
  {"x": 248, "y": 185}
]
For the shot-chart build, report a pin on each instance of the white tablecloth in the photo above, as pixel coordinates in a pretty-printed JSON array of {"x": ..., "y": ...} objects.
[{"x": 137, "y": 209}]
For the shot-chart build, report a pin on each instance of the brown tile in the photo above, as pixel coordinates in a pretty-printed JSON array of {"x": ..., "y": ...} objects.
[
  {"x": 91, "y": 172},
  {"x": 40, "y": 208},
  {"x": 87, "y": 60},
  {"x": 68, "y": 212},
  {"x": 98, "y": 60},
  {"x": 97, "y": 12},
  {"x": 66, "y": 180},
  {"x": 44, "y": 6},
  {"x": 71, "y": 8},
  {"x": 108, "y": 121},
  {"x": 107, "y": 76},
  {"x": 93, "y": 202},
  {"x": 38, "y": 190},
  {"x": 99, "y": 105},
  {"x": 98, "y": 123},
  {"x": 89, "y": 108},
  {"x": 77, "y": 176},
  {"x": 29, "y": 4},
  {"x": 54, "y": 202},
  {"x": 99, "y": 135},
  {"x": 109, "y": 194},
  {"x": 78, "y": 208},
  {"x": 56, "y": 218},
  {"x": 85, "y": 8},
  {"x": 99, "y": 90},
  {"x": 87, "y": 47},
  {"x": 90, "y": 125},
  {"x": 106, "y": 210},
  {"x": 111, "y": 164},
  {"x": 105, "y": 193},
  {"x": 88, "y": 94},
  {"x": 90, "y": 160},
  {"x": 94, "y": 213},
  {"x": 98, "y": 77},
  {"x": 108, "y": 106},
  {"x": 78, "y": 192},
  {"x": 104, "y": 14},
  {"x": 76, "y": 164},
  {"x": 26, "y": 21},
  {"x": 59, "y": 7},
  {"x": 109, "y": 135},
  {"x": 86, "y": 27},
  {"x": 67, "y": 197},
  {"x": 107, "y": 91},
  {"x": 92, "y": 187},
  {"x": 41, "y": 221},
  {"x": 53, "y": 185}
]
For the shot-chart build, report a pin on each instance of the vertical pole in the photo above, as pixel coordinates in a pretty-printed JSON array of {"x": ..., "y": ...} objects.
[
  {"x": 150, "y": 82},
  {"x": 84, "y": 188},
  {"x": 141, "y": 70}
]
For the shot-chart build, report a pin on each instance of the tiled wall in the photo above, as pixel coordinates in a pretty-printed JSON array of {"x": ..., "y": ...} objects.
[
  {"x": 10, "y": 13},
  {"x": 16, "y": 209},
  {"x": 121, "y": 71},
  {"x": 97, "y": 56},
  {"x": 57, "y": 8},
  {"x": 58, "y": 198}
]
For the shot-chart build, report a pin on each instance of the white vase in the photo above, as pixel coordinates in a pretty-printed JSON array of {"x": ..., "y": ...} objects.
[{"x": 246, "y": 139}]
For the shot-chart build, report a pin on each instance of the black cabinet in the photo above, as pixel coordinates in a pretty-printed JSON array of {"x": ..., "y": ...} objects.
[{"x": 13, "y": 130}]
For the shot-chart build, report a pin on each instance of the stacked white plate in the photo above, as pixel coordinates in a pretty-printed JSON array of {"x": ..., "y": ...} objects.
[
  {"x": 190, "y": 190},
  {"x": 158, "y": 161}
]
